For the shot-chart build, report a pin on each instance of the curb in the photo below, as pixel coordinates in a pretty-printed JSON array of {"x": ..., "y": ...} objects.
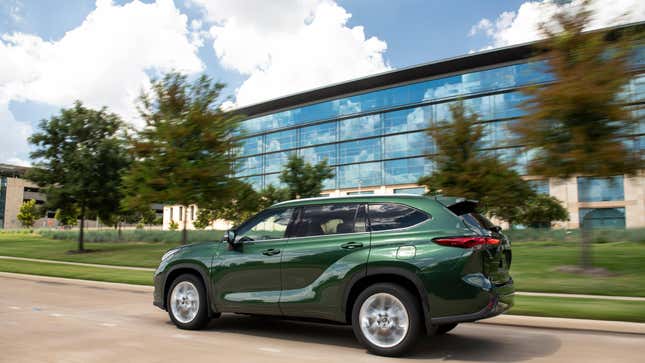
[
  {"x": 77, "y": 282},
  {"x": 77, "y": 263},
  {"x": 604, "y": 326}
]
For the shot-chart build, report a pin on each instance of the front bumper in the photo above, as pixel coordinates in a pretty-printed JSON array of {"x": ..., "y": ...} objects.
[
  {"x": 157, "y": 295},
  {"x": 501, "y": 299}
]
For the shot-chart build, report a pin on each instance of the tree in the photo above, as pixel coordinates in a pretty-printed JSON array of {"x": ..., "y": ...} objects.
[
  {"x": 304, "y": 180},
  {"x": 575, "y": 125},
  {"x": 184, "y": 154},
  {"x": 246, "y": 203},
  {"x": 67, "y": 216},
  {"x": 28, "y": 213},
  {"x": 79, "y": 158},
  {"x": 463, "y": 170},
  {"x": 541, "y": 211}
]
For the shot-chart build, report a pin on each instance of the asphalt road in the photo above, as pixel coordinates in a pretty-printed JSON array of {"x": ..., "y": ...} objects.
[{"x": 46, "y": 321}]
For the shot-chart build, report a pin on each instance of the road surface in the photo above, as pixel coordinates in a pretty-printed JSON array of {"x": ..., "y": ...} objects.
[{"x": 53, "y": 321}]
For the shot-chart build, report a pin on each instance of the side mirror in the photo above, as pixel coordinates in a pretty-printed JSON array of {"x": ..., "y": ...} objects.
[{"x": 229, "y": 236}]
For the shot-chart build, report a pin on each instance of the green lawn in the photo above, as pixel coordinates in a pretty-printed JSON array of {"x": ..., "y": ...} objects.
[
  {"x": 534, "y": 262},
  {"x": 139, "y": 254},
  {"x": 524, "y": 305},
  {"x": 77, "y": 272},
  {"x": 532, "y": 268},
  {"x": 597, "y": 309}
]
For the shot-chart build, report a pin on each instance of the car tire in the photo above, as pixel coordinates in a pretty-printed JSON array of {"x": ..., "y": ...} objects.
[
  {"x": 186, "y": 302},
  {"x": 444, "y": 328},
  {"x": 387, "y": 319}
]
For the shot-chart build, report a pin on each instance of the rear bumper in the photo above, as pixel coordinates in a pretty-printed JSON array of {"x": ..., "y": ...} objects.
[{"x": 501, "y": 299}]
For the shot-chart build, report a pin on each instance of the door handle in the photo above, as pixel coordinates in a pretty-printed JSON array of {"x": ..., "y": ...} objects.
[
  {"x": 270, "y": 252},
  {"x": 351, "y": 245}
]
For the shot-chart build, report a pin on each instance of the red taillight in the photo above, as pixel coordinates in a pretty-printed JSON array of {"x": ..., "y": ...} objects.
[{"x": 467, "y": 242}]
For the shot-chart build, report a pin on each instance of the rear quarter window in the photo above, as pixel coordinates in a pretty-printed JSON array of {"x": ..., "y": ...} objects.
[{"x": 386, "y": 216}]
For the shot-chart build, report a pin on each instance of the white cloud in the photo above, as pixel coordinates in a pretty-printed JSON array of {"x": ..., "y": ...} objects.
[
  {"x": 514, "y": 27},
  {"x": 286, "y": 46},
  {"x": 105, "y": 61},
  {"x": 13, "y": 138}
]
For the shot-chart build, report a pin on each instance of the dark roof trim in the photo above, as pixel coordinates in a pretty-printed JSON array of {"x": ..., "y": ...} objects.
[{"x": 458, "y": 64}]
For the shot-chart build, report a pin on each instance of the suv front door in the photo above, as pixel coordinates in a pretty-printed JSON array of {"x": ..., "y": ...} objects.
[
  {"x": 246, "y": 279},
  {"x": 327, "y": 243}
]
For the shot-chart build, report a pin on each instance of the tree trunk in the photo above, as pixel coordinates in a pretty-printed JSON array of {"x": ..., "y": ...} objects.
[
  {"x": 81, "y": 237},
  {"x": 119, "y": 233},
  {"x": 585, "y": 247},
  {"x": 184, "y": 231}
]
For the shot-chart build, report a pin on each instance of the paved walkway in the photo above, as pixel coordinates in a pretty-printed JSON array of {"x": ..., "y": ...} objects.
[
  {"x": 520, "y": 293},
  {"x": 77, "y": 263}
]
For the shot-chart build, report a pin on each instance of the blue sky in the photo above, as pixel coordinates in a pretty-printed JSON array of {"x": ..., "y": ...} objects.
[{"x": 105, "y": 52}]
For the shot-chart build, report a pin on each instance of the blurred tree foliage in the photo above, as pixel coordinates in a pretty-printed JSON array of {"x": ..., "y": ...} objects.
[
  {"x": 184, "y": 154},
  {"x": 463, "y": 170},
  {"x": 541, "y": 210},
  {"x": 304, "y": 180},
  {"x": 28, "y": 214},
  {"x": 79, "y": 159},
  {"x": 67, "y": 216},
  {"x": 576, "y": 124}
]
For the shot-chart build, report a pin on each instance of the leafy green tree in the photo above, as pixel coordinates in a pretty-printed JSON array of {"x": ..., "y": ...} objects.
[
  {"x": 67, "y": 216},
  {"x": 575, "y": 125},
  {"x": 28, "y": 213},
  {"x": 271, "y": 195},
  {"x": 304, "y": 180},
  {"x": 79, "y": 158},
  {"x": 463, "y": 170},
  {"x": 541, "y": 210},
  {"x": 183, "y": 155}
]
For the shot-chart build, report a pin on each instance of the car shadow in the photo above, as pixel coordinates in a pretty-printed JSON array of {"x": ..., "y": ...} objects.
[{"x": 470, "y": 342}]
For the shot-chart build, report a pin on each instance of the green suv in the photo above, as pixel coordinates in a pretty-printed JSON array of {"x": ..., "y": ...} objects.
[{"x": 394, "y": 267}]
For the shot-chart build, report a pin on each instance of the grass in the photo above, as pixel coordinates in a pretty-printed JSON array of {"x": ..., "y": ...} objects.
[
  {"x": 534, "y": 263},
  {"x": 596, "y": 309},
  {"x": 532, "y": 269},
  {"x": 77, "y": 272},
  {"x": 139, "y": 254},
  {"x": 132, "y": 235}
]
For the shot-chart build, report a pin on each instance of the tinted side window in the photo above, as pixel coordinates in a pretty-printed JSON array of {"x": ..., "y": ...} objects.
[
  {"x": 318, "y": 220},
  {"x": 270, "y": 224},
  {"x": 392, "y": 216}
]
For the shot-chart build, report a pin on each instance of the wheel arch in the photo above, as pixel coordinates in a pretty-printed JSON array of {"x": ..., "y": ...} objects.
[
  {"x": 188, "y": 268},
  {"x": 397, "y": 275}
]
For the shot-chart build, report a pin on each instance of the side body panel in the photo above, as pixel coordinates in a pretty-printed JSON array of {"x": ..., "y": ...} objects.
[
  {"x": 246, "y": 280},
  {"x": 315, "y": 271}
]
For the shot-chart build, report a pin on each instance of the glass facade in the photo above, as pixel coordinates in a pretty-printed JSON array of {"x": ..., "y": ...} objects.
[
  {"x": 602, "y": 217},
  {"x": 380, "y": 137},
  {"x": 600, "y": 189}
]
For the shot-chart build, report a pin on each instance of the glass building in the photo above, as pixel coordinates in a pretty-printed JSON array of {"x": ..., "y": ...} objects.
[{"x": 373, "y": 131}]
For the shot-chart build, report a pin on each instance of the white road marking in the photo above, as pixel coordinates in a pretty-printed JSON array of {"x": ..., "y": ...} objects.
[
  {"x": 109, "y": 325},
  {"x": 56, "y": 315},
  {"x": 272, "y": 350},
  {"x": 15, "y": 307},
  {"x": 182, "y": 336}
]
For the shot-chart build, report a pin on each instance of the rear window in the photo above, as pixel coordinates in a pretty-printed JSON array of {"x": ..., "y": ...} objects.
[
  {"x": 317, "y": 220},
  {"x": 385, "y": 216},
  {"x": 477, "y": 220}
]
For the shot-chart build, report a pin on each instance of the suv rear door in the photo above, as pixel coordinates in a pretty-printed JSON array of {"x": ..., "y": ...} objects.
[{"x": 329, "y": 242}]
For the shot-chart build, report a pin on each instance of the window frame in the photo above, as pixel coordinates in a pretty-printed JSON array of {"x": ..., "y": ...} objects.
[{"x": 367, "y": 213}]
